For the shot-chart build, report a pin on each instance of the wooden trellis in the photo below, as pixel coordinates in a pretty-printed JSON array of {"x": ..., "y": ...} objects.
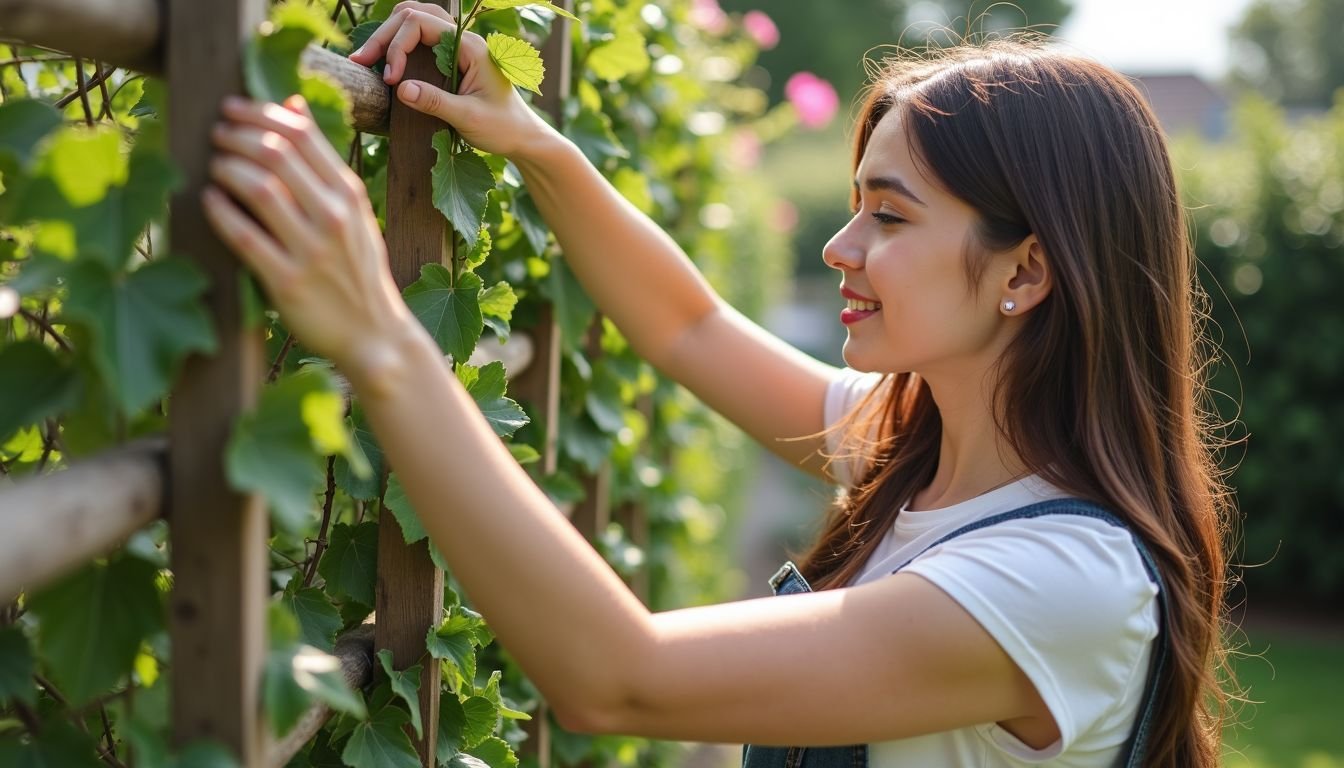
[{"x": 219, "y": 549}]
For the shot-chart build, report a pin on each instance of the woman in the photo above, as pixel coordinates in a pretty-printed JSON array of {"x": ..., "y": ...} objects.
[{"x": 1020, "y": 289}]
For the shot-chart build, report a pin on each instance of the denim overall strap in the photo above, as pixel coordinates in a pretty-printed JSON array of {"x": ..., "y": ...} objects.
[
  {"x": 1137, "y": 746},
  {"x": 789, "y": 580}
]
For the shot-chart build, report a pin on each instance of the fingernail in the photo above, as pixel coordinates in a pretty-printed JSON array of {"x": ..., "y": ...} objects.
[
  {"x": 410, "y": 91},
  {"x": 357, "y": 51}
]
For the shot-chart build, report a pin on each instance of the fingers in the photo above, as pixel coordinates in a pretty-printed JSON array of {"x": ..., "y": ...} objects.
[
  {"x": 412, "y": 25},
  {"x": 254, "y": 246},
  {"x": 265, "y": 196},
  {"x": 299, "y": 130},
  {"x": 448, "y": 107},
  {"x": 272, "y": 151}
]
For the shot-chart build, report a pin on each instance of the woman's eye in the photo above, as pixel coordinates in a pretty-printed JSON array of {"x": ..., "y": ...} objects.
[{"x": 887, "y": 218}]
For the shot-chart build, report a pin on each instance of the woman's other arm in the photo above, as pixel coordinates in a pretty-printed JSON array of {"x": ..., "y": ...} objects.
[{"x": 633, "y": 270}]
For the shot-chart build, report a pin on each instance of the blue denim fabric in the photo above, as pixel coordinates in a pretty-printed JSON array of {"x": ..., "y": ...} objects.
[{"x": 789, "y": 581}]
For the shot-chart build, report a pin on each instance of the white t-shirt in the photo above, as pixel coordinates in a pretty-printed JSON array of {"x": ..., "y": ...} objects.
[{"x": 1067, "y": 598}]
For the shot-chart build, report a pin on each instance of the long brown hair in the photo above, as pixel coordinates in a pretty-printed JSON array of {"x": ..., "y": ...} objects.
[{"x": 1102, "y": 391}]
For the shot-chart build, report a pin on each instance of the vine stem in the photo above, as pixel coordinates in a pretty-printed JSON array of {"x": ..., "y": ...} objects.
[
  {"x": 280, "y": 359},
  {"x": 320, "y": 545},
  {"x": 83, "y": 90},
  {"x": 65, "y": 100},
  {"x": 41, "y": 322},
  {"x": 106, "y": 110}
]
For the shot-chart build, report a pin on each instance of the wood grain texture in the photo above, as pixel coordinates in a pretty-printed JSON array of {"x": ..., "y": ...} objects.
[
  {"x": 218, "y": 537},
  {"x": 410, "y": 587}
]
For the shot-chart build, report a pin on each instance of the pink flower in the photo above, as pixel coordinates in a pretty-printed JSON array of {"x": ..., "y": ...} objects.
[
  {"x": 814, "y": 99},
  {"x": 762, "y": 29},
  {"x": 707, "y": 15}
]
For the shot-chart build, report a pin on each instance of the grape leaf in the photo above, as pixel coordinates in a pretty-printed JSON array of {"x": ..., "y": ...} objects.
[
  {"x": 451, "y": 314},
  {"x": 143, "y": 325},
  {"x": 295, "y": 677},
  {"x": 518, "y": 60},
  {"x": 318, "y": 619},
  {"x": 33, "y": 386},
  {"x": 23, "y": 124},
  {"x": 497, "y": 303},
  {"x": 412, "y": 530},
  {"x": 495, "y": 752},
  {"x": 277, "y": 448},
  {"x": 350, "y": 564},
  {"x": 454, "y": 641},
  {"x": 406, "y": 685},
  {"x": 361, "y": 487},
  {"x": 91, "y": 624},
  {"x": 496, "y": 5},
  {"x": 16, "y": 667},
  {"x": 272, "y": 73},
  {"x": 59, "y": 745},
  {"x": 461, "y": 183},
  {"x": 382, "y": 742},
  {"x": 623, "y": 56},
  {"x": 487, "y": 386}
]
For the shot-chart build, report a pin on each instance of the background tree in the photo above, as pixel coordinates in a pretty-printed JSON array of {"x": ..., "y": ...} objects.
[{"x": 1289, "y": 51}]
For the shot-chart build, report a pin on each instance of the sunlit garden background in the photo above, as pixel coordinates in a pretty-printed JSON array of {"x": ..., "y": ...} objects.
[{"x": 1248, "y": 92}]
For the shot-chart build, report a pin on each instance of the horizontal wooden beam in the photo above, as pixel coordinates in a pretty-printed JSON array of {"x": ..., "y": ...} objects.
[
  {"x": 129, "y": 33},
  {"x": 125, "y": 33},
  {"x": 52, "y": 524}
]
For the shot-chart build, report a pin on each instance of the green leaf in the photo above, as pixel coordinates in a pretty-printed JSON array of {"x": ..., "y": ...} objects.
[
  {"x": 91, "y": 624},
  {"x": 277, "y": 448},
  {"x": 296, "y": 677},
  {"x": 350, "y": 564},
  {"x": 330, "y": 107},
  {"x": 318, "y": 619},
  {"x": 524, "y": 453},
  {"x": 497, "y": 303},
  {"x": 482, "y": 715},
  {"x": 283, "y": 699},
  {"x": 406, "y": 685},
  {"x": 33, "y": 386},
  {"x": 16, "y": 667},
  {"x": 496, "y": 5},
  {"x": 623, "y": 56},
  {"x": 23, "y": 124},
  {"x": 451, "y": 314},
  {"x": 365, "y": 487},
  {"x": 443, "y": 54},
  {"x": 412, "y": 530},
  {"x": 495, "y": 752},
  {"x": 591, "y": 132},
  {"x": 143, "y": 324},
  {"x": 60, "y": 745},
  {"x": 272, "y": 73},
  {"x": 486, "y": 385},
  {"x": 518, "y": 60},
  {"x": 382, "y": 742},
  {"x": 84, "y": 163},
  {"x": 476, "y": 257},
  {"x": 453, "y": 641},
  {"x": 492, "y": 694},
  {"x": 461, "y": 183}
]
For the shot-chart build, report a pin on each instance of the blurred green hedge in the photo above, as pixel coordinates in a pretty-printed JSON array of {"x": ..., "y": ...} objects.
[{"x": 1266, "y": 206}]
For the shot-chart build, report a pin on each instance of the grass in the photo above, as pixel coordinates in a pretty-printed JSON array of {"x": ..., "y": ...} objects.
[{"x": 1298, "y": 680}]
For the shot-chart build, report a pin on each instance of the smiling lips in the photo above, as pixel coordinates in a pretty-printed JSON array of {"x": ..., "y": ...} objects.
[{"x": 857, "y": 306}]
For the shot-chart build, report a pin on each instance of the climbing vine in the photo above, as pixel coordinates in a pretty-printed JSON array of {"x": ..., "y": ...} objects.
[{"x": 97, "y": 317}]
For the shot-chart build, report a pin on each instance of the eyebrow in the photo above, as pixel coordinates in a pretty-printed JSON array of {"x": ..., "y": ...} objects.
[{"x": 889, "y": 184}]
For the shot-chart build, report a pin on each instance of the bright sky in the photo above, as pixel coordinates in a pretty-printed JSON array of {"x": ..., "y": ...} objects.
[{"x": 1145, "y": 36}]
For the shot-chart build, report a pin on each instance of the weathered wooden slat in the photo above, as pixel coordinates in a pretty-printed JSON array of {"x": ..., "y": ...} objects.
[
  {"x": 410, "y": 587},
  {"x": 51, "y": 525},
  {"x": 219, "y": 551}
]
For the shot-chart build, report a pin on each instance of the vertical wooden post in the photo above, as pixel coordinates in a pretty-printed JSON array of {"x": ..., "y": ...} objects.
[
  {"x": 540, "y": 383},
  {"x": 219, "y": 550},
  {"x": 410, "y": 587}
]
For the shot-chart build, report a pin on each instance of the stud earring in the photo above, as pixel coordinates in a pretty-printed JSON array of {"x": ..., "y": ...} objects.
[{"x": 1009, "y": 305}]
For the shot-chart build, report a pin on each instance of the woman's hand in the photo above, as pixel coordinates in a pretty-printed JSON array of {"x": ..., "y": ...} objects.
[
  {"x": 487, "y": 110},
  {"x": 311, "y": 236}
]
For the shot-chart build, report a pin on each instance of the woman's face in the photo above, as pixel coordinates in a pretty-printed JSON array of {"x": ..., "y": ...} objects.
[{"x": 905, "y": 250}]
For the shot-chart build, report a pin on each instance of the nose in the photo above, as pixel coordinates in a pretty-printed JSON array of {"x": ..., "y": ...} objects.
[{"x": 844, "y": 250}]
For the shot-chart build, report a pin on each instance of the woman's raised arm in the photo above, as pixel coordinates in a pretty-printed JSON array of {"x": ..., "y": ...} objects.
[{"x": 635, "y": 273}]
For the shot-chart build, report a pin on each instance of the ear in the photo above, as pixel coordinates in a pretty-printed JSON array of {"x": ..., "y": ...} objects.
[{"x": 1027, "y": 278}]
